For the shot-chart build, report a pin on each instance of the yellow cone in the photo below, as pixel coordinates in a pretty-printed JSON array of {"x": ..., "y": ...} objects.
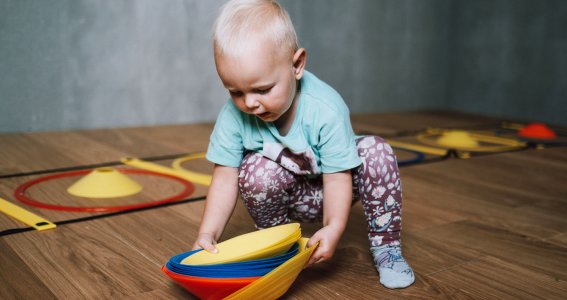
[
  {"x": 104, "y": 183},
  {"x": 276, "y": 283},
  {"x": 254, "y": 245},
  {"x": 458, "y": 139}
]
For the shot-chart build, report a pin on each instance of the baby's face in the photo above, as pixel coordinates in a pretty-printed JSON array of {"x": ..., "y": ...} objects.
[{"x": 261, "y": 82}]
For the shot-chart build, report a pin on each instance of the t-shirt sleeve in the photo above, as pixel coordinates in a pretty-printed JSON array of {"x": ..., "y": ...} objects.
[
  {"x": 225, "y": 145},
  {"x": 337, "y": 145}
]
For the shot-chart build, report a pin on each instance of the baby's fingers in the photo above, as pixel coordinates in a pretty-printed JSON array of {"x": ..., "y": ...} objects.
[
  {"x": 316, "y": 256},
  {"x": 209, "y": 246},
  {"x": 206, "y": 243}
]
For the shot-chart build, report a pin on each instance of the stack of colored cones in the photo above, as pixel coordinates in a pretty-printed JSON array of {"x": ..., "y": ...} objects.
[{"x": 261, "y": 264}]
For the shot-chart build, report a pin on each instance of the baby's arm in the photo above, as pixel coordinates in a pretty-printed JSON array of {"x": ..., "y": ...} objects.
[
  {"x": 219, "y": 206},
  {"x": 337, "y": 195}
]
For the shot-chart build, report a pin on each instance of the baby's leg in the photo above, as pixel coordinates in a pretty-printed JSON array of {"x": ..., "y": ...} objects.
[
  {"x": 263, "y": 187},
  {"x": 379, "y": 189},
  {"x": 273, "y": 194}
]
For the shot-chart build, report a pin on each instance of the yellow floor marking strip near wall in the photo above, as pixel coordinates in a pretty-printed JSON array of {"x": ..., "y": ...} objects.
[
  {"x": 200, "y": 178},
  {"x": 498, "y": 144},
  {"x": 187, "y": 175},
  {"x": 25, "y": 216},
  {"x": 419, "y": 148}
]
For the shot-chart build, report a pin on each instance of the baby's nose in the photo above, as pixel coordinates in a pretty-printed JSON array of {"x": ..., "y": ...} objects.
[{"x": 251, "y": 101}]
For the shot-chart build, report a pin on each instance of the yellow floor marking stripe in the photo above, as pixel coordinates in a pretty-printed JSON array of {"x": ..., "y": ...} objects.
[
  {"x": 187, "y": 175},
  {"x": 419, "y": 148},
  {"x": 25, "y": 216}
]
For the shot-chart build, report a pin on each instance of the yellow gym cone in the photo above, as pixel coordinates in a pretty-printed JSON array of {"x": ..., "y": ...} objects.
[
  {"x": 458, "y": 139},
  {"x": 104, "y": 183},
  {"x": 276, "y": 283},
  {"x": 254, "y": 245}
]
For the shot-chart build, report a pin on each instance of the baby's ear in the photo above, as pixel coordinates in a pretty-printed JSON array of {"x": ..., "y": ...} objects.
[{"x": 299, "y": 60}]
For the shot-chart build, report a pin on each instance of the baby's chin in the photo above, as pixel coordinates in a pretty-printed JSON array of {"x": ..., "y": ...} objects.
[{"x": 267, "y": 117}]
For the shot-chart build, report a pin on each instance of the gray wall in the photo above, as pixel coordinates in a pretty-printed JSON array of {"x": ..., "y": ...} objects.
[
  {"x": 509, "y": 58},
  {"x": 72, "y": 64},
  {"x": 381, "y": 55}
]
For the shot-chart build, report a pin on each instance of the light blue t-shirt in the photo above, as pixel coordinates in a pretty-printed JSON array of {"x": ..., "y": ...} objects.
[{"x": 320, "y": 140}]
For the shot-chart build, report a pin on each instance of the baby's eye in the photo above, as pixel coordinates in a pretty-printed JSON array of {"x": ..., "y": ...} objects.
[
  {"x": 263, "y": 91},
  {"x": 235, "y": 93}
]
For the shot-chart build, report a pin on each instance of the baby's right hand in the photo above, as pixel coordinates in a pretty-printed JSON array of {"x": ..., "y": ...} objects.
[{"x": 207, "y": 242}]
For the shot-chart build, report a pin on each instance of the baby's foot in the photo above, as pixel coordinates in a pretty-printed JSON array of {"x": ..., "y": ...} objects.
[{"x": 394, "y": 271}]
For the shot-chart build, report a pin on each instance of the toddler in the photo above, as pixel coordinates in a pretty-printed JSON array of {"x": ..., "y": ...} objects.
[{"x": 284, "y": 142}]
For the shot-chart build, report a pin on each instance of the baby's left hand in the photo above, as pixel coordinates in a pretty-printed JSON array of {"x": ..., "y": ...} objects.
[{"x": 328, "y": 238}]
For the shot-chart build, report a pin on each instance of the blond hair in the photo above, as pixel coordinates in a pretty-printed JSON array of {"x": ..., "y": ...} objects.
[{"x": 245, "y": 24}]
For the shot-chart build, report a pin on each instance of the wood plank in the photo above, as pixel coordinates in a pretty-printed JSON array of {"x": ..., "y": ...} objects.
[
  {"x": 71, "y": 148},
  {"x": 19, "y": 281},
  {"x": 540, "y": 256},
  {"x": 22, "y": 153},
  {"x": 492, "y": 278},
  {"x": 560, "y": 239},
  {"x": 54, "y": 192},
  {"x": 535, "y": 222},
  {"x": 100, "y": 264},
  {"x": 391, "y": 123},
  {"x": 428, "y": 256},
  {"x": 488, "y": 227},
  {"x": 351, "y": 275}
]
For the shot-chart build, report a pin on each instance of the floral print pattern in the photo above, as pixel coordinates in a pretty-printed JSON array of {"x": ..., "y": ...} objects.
[{"x": 273, "y": 195}]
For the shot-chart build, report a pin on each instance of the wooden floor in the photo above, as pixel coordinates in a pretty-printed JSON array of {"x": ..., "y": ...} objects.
[{"x": 488, "y": 227}]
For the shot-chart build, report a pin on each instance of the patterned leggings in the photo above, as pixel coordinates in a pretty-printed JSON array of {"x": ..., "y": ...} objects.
[{"x": 273, "y": 195}]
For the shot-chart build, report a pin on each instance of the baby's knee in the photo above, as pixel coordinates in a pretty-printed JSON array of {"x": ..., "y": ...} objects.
[
  {"x": 373, "y": 146},
  {"x": 378, "y": 159},
  {"x": 257, "y": 173}
]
